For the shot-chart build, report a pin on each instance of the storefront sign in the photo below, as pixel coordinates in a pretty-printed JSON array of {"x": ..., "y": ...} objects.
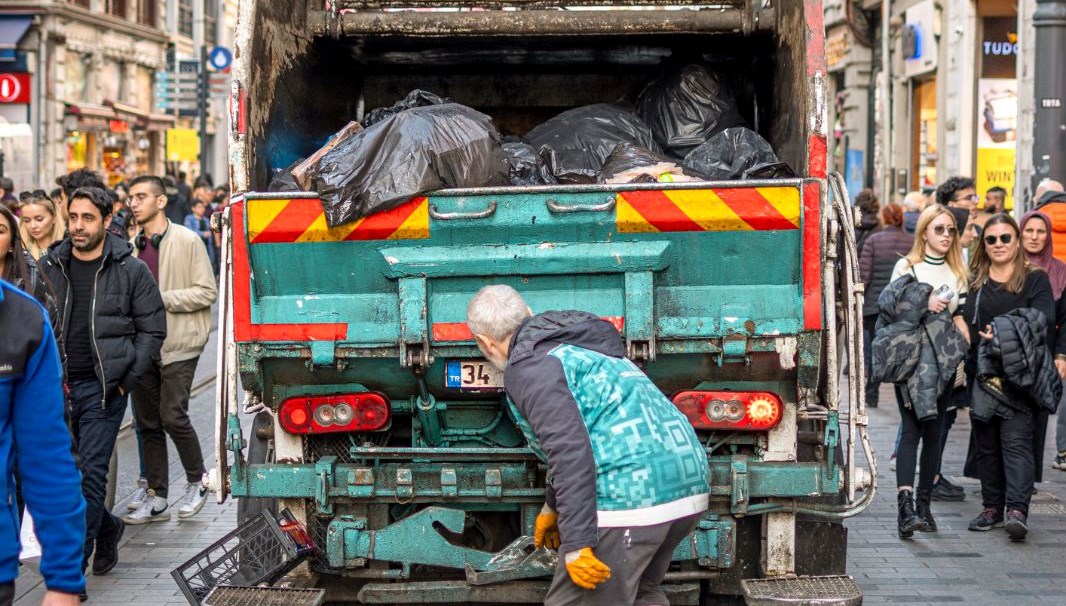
[
  {"x": 997, "y": 116},
  {"x": 119, "y": 126},
  {"x": 14, "y": 88},
  {"x": 836, "y": 49},
  {"x": 183, "y": 145}
]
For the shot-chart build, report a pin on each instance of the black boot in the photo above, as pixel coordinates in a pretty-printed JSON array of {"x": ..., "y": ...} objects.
[
  {"x": 925, "y": 512},
  {"x": 908, "y": 521}
]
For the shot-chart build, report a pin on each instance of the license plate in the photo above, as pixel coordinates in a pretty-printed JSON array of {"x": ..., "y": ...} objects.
[{"x": 472, "y": 375}]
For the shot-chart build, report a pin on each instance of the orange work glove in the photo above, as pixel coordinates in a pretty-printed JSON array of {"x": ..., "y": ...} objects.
[
  {"x": 546, "y": 530},
  {"x": 585, "y": 570}
]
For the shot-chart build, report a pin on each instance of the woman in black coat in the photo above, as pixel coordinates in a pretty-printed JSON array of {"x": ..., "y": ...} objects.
[
  {"x": 1004, "y": 281},
  {"x": 879, "y": 256}
]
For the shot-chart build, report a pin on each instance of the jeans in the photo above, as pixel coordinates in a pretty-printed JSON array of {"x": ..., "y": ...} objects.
[
  {"x": 926, "y": 432},
  {"x": 1005, "y": 460},
  {"x": 95, "y": 429},
  {"x": 161, "y": 405}
]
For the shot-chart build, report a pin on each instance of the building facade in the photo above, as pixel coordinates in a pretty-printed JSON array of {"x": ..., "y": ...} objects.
[
  {"x": 92, "y": 68},
  {"x": 954, "y": 96}
]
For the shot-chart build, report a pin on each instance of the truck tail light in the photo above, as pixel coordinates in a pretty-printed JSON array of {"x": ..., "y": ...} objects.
[
  {"x": 731, "y": 410},
  {"x": 366, "y": 411}
]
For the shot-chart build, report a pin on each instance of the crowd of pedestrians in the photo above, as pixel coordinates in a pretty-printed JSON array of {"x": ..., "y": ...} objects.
[
  {"x": 106, "y": 295},
  {"x": 964, "y": 308}
]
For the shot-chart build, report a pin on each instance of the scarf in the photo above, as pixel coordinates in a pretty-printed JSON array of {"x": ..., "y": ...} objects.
[{"x": 1045, "y": 259}]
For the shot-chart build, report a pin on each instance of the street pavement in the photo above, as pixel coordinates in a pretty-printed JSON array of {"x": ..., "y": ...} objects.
[
  {"x": 956, "y": 565},
  {"x": 951, "y": 566}
]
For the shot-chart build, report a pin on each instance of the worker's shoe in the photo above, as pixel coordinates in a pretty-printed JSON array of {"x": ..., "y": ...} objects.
[
  {"x": 1016, "y": 525},
  {"x": 106, "y": 556},
  {"x": 908, "y": 521},
  {"x": 154, "y": 509},
  {"x": 193, "y": 501},
  {"x": 925, "y": 512},
  {"x": 944, "y": 490},
  {"x": 989, "y": 518}
]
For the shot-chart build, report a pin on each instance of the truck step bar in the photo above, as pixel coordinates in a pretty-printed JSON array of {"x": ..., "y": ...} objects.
[
  {"x": 519, "y": 592},
  {"x": 808, "y": 591},
  {"x": 721, "y": 18}
]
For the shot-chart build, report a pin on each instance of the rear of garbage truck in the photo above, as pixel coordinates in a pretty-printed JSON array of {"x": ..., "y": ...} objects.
[{"x": 378, "y": 425}]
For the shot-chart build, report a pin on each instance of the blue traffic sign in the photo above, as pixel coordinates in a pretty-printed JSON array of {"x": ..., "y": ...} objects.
[{"x": 220, "y": 58}]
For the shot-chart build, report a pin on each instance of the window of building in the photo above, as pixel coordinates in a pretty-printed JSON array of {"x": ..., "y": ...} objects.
[
  {"x": 117, "y": 8},
  {"x": 210, "y": 22},
  {"x": 82, "y": 3},
  {"x": 147, "y": 12},
  {"x": 185, "y": 17}
]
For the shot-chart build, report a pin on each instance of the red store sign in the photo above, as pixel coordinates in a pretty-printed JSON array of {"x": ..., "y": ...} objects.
[{"x": 15, "y": 88}]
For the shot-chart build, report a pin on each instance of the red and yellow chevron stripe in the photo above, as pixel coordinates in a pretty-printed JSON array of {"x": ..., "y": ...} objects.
[
  {"x": 302, "y": 220},
  {"x": 723, "y": 209}
]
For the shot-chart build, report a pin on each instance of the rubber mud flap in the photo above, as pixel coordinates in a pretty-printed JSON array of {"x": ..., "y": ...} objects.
[{"x": 821, "y": 547}]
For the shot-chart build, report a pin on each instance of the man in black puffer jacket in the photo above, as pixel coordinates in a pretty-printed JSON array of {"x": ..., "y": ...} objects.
[{"x": 113, "y": 324}]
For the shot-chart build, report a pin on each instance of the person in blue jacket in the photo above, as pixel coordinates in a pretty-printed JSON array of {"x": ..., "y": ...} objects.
[
  {"x": 34, "y": 436},
  {"x": 628, "y": 477}
]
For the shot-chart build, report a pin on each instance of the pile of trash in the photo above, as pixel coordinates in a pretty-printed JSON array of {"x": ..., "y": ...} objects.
[{"x": 685, "y": 126}]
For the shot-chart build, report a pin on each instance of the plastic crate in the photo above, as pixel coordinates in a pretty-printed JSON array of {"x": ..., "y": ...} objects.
[{"x": 261, "y": 550}]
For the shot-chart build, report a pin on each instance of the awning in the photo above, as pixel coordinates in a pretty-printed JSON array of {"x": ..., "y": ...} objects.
[
  {"x": 157, "y": 123},
  {"x": 130, "y": 110},
  {"x": 12, "y": 29},
  {"x": 91, "y": 116}
]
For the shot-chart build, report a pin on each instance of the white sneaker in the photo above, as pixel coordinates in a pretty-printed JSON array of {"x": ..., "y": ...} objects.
[
  {"x": 194, "y": 499},
  {"x": 139, "y": 495},
  {"x": 154, "y": 509}
]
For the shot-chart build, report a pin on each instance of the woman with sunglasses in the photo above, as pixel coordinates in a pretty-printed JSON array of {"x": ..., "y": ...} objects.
[
  {"x": 41, "y": 223},
  {"x": 934, "y": 259},
  {"x": 1004, "y": 281}
]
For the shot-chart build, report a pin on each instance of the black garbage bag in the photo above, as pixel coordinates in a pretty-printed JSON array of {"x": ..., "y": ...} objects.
[
  {"x": 686, "y": 107},
  {"x": 631, "y": 164},
  {"x": 736, "y": 153},
  {"x": 283, "y": 179},
  {"x": 581, "y": 139},
  {"x": 407, "y": 154},
  {"x": 415, "y": 98},
  {"x": 527, "y": 167}
]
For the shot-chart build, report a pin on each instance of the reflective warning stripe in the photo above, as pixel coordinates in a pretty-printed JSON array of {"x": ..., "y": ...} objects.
[
  {"x": 450, "y": 332},
  {"x": 302, "y": 220},
  {"x": 723, "y": 209}
]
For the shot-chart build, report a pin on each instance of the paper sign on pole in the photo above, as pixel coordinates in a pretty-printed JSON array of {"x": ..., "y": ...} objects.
[{"x": 183, "y": 145}]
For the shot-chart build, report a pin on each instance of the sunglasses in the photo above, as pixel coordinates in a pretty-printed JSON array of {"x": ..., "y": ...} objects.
[
  {"x": 940, "y": 230},
  {"x": 1003, "y": 238},
  {"x": 38, "y": 194}
]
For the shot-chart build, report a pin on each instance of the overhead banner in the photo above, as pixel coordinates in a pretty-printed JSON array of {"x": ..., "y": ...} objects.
[{"x": 997, "y": 107}]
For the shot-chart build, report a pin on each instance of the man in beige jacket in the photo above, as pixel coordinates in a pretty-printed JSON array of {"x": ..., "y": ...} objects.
[{"x": 178, "y": 259}]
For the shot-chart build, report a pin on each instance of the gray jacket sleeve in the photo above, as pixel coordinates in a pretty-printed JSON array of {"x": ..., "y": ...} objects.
[{"x": 538, "y": 388}]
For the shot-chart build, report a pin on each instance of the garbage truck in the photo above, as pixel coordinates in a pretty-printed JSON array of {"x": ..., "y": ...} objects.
[{"x": 377, "y": 425}]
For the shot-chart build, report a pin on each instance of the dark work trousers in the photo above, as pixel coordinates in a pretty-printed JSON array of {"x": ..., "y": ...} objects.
[
  {"x": 1005, "y": 460},
  {"x": 926, "y": 432},
  {"x": 868, "y": 323},
  {"x": 161, "y": 404},
  {"x": 95, "y": 429},
  {"x": 638, "y": 557},
  {"x": 7, "y": 593}
]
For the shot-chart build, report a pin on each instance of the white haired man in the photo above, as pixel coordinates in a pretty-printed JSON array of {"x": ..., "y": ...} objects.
[{"x": 628, "y": 477}]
